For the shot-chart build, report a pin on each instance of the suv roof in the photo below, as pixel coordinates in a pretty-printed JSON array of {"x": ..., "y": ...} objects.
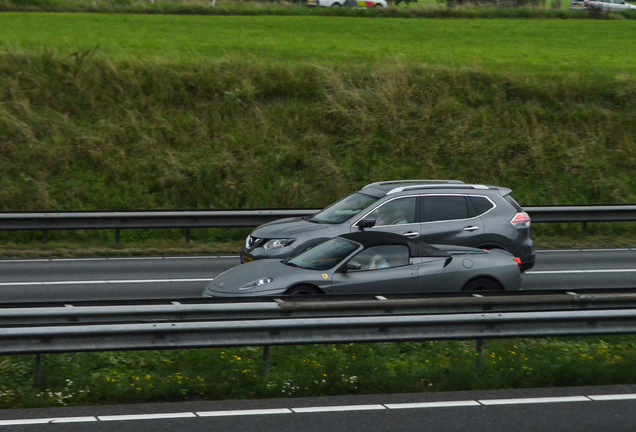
[
  {"x": 391, "y": 187},
  {"x": 396, "y": 183}
]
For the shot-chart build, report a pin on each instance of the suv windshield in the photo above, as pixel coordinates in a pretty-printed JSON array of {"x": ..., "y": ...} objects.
[
  {"x": 325, "y": 255},
  {"x": 344, "y": 209}
]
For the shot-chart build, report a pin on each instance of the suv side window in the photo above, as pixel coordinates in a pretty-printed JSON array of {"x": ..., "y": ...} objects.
[
  {"x": 445, "y": 207},
  {"x": 394, "y": 212},
  {"x": 482, "y": 204}
]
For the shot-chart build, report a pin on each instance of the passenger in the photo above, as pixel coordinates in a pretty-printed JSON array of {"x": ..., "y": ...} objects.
[
  {"x": 399, "y": 216},
  {"x": 378, "y": 262}
]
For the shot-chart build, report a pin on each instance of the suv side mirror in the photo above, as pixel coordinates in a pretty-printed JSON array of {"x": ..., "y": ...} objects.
[{"x": 366, "y": 223}]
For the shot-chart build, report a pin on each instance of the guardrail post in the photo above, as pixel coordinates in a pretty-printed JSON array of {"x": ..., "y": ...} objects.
[
  {"x": 584, "y": 228},
  {"x": 44, "y": 236},
  {"x": 39, "y": 371},
  {"x": 479, "y": 344},
  {"x": 266, "y": 360},
  {"x": 117, "y": 235},
  {"x": 187, "y": 235}
]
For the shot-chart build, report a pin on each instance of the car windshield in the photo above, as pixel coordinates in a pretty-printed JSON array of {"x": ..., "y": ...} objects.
[
  {"x": 345, "y": 208},
  {"x": 324, "y": 256}
]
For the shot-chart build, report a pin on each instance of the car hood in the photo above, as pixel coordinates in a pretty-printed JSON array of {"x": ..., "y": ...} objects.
[
  {"x": 231, "y": 281},
  {"x": 285, "y": 228}
]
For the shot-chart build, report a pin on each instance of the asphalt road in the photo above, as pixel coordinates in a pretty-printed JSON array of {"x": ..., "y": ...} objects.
[
  {"x": 182, "y": 277},
  {"x": 580, "y": 409}
]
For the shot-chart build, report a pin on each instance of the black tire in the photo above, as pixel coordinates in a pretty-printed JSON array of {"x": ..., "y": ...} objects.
[
  {"x": 303, "y": 290},
  {"x": 336, "y": 5},
  {"x": 482, "y": 284}
]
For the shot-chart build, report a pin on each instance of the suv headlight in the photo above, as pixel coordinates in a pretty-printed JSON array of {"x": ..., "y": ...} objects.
[
  {"x": 257, "y": 283},
  {"x": 277, "y": 243}
]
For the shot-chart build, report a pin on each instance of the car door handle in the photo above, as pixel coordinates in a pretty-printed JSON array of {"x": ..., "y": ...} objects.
[
  {"x": 412, "y": 234},
  {"x": 471, "y": 228}
]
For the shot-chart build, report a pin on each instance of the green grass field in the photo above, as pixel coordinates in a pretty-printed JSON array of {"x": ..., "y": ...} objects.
[
  {"x": 540, "y": 48},
  {"x": 309, "y": 371}
]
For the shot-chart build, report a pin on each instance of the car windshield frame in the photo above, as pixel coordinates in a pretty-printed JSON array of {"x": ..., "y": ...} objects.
[
  {"x": 345, "y": 209},
  {"x": 326, "y": 255}
]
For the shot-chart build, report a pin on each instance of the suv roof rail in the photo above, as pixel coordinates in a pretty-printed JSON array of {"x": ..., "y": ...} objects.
[
  {"x": 423, "y": 182},
  {"x": 444, "y": 186}
]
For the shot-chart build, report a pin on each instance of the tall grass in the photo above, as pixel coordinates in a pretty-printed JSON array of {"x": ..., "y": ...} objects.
[
  {"x": 79, "y": 132},
  {"x": 100, "y": 378}
]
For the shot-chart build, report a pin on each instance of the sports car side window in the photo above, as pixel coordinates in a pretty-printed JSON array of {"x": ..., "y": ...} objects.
[
  {"x": 396, "y": 212},
  {"x": 379, "y": 257}
]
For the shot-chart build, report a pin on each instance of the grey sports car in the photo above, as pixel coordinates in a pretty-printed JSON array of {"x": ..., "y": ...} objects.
[{"x": 372, "y": 262}]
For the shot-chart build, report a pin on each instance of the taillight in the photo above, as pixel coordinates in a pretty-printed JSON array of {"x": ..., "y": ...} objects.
[
  {"x": 518, "y": 261},
  {"x": 521, "y": 220}
]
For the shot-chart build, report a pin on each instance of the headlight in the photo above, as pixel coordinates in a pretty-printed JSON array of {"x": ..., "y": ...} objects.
[
  {"x": 277, "y": 243},
  {"x": 257, "y": 283}
]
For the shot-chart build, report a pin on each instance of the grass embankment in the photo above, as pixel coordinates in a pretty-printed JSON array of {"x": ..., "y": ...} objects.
[{"x": 177, "y": 112}]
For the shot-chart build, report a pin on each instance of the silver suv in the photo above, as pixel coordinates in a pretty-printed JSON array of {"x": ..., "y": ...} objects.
[{"x": 435, "y": 211}]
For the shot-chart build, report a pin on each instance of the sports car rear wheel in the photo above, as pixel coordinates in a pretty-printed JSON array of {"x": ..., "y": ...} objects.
[
  {"x": 482, "y": 284},
  {"x": 302, "y": 290}
]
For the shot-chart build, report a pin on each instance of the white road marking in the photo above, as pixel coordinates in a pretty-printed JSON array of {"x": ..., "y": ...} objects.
[
  {"x": 144, "y": 281},
  {"x": 73, "y": 420},
  {"x": 581, "y": 271},
  {"x": 338, "y": 408},
  {"x": 325, "y": 409},
  {"x": 37, "y": 260},
  {"x": 534, "y": 400},
  {"x": 433, "y": 404},
  {"x": 244, "y": 412},
  {"x": 584, "y": 250},
  {"x": 146, "y": 416},
  {"x": 92, "y": 282},
  {"x": 613, "y": 397}
]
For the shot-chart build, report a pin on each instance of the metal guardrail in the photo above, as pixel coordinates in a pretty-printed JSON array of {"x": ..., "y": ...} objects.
[
  {"x": 97, "y": 328},
  {"x": 189, "y": 219},
  {"x": 204, "y": 310},
  {"x": 607, "y": 213}
]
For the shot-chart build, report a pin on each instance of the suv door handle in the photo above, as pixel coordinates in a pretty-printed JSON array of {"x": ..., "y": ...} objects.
[
  {"x": 471, "y": 228},
  {"x": 412, "y": 234}
]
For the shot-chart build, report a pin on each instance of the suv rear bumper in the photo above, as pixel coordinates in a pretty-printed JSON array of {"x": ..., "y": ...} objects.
[{"x": 527, "y": 262}]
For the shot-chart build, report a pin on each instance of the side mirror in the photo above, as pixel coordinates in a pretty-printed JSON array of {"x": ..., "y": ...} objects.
[
  {"x": 352, "y": 266},
  {"x": 366, "y": 223}
]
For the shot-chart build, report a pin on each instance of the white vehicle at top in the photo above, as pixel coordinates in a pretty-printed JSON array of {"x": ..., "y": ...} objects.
[
  {"x": 350, "y": 3},
  {"x": 604, "y": 5}
]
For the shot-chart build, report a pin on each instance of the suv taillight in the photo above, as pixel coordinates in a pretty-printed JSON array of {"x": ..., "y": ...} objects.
[
  {"x": 521, "y": 220},
  {"x": 518, "y": 261}
]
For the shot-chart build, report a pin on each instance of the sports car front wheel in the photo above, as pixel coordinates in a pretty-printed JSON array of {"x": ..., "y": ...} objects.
[
  {"x": 302, "y": 290},
  {"x": 482, "y": 284}
]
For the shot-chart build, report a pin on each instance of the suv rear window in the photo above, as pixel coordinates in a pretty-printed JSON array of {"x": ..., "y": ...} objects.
[
  {"x": 446, "y": 207},
  {"x": 482, "y": 204}
]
